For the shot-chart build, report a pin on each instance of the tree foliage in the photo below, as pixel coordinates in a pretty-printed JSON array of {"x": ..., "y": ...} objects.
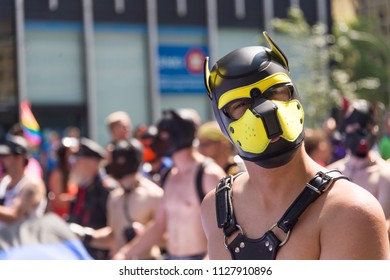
[{"x": 350, "y": 62}]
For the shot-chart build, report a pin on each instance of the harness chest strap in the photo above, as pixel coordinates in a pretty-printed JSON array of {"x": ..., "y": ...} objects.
[
  {"x": 198, "y": 178},
  {"x": 313, "y": 189}
]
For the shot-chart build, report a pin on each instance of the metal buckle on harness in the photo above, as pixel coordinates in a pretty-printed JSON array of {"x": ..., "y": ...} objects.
[
  {"x": 324, "y": 185},
  {"x": 287, "y": 234},
  {"x": 327, "y": 178},
  {"x": 227, "y": 184},
  {"x": 225, "y": 239}
]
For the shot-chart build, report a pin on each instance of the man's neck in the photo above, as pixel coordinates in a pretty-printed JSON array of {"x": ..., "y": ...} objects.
[
  {"x": 185, "y": 158},
  {"x": 360, "y": 162},
  {"x": 275, "y": 181},
  {"x": 131, "y": 182}
]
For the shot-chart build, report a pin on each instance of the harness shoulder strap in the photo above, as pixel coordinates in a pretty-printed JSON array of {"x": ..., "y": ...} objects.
[
  {"x": 126, "y": 207},
  {"x": 314, "y": 188},
  {"x": 164, "y": 176},
  {"x": 199, "y": 178},
  {"x": 224, "y": 206}
]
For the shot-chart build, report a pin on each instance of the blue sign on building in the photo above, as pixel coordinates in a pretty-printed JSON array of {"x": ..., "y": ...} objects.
[{"x": 181, "y": 69}]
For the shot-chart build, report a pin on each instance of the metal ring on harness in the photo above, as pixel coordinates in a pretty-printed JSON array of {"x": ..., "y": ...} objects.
[
  {"x": 287, "y": 235},
  {"x": 225, "y": 239}
]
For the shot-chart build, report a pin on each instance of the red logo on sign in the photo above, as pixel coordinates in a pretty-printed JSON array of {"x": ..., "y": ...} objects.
[{"x": 194, "y": 61}]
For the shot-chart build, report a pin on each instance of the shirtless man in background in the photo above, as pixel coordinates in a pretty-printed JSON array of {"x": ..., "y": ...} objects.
[
  {"x": 131, "y": 206},
  {"x": 179, "y": 212}
]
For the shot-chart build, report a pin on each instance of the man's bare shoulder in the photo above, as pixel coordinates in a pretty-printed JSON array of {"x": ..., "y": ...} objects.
[
  {"x": 34, "y": 183},
  {"x": 349, "y": 197},
  {"x": 351, "y": 216},
  {"x": 208, "y": 213},
  {"x": 213, "y": 173},
  {"x": 339, "y": 165},
  {"x": 116, "y": 194},
  {"x": 208, "y": 202},
  {"x": 384, "y": 168},
  {"x": 214, "y": 235},
  {"x": 151, "y": 187}
]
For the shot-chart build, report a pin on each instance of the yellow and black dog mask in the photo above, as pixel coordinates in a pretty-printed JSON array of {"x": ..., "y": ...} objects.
[{"x": 267, "y": 130}]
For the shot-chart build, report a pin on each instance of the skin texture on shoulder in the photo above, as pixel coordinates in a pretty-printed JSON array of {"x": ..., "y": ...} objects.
[
  {"x": 348, "y": 206},
  {"x": 372, "y": 173}
]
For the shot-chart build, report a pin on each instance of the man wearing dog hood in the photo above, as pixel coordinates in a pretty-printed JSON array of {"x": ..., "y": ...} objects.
[
  {"x": 362, "y": 165},
  {"x": 286, "y": 206}
]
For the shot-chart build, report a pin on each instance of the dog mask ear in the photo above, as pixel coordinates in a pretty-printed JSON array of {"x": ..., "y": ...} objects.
[{"x": 275, "y": 49}]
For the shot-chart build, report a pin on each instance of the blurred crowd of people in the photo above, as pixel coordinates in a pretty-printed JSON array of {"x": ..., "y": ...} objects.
[
  {"x": 139, "y": 197},
  {"x": 139, "y": 184}
]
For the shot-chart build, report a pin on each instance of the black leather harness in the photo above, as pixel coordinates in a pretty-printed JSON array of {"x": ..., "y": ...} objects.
[{"x": 266, "y": 247}]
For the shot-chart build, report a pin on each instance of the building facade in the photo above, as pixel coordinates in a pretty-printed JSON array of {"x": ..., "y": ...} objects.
[
  {"x": 378, "y": 9},
  {"x": 76, "y": 61}
]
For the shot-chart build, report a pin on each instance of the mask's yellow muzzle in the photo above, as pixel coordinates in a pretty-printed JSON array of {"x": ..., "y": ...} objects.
[{"x": 249, "y": 131}]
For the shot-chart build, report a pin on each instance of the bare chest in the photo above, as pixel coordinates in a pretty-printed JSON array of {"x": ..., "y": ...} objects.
[
  {"x": 181, "y": 196},
  {"x": 132, "y": 207}
]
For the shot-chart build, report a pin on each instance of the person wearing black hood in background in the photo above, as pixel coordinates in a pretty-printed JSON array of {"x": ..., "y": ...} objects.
[
  {"x": 131, "y": 206},
  {"x": 286, "y": 206},
  {"x": 191, "y": 177},
  {"x": 89, "y": 208},
  {"x": 362, "y": 164}
]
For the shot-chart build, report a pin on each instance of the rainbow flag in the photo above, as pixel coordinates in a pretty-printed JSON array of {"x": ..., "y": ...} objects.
[{"x": 30, "y": 125}]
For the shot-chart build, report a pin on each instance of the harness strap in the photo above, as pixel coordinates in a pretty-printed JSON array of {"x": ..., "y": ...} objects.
[
  {"x": 164, "y": 176},
  {"x": 199, "y": 178},
  {"x": 224, "y": 206},
  {"x": 314, "y": 188}
]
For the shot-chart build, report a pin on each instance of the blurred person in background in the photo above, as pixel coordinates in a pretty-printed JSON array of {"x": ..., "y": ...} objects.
[
  {"x": 22, "y": 195},
  {"x": 62, "y": 191},
  {"x": 33, "y": 167},
  {"x": 48, "y": 156},
  {"x": 72, "y": 132},
  {"x": 155, "y": 167},
  {"x": 120, "y": 127},
  {"x": 213, "y": 144},
  {"x": 332, "y": 126},
  {"x": 192, "y": 176},
  {"x": 2, "y": 171},
  {"x": 89, "y": 209},
  {"x": 132, "y": 205},
  {"x": 318, "y": 146},
  {"x": 362, "y": 165}
]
